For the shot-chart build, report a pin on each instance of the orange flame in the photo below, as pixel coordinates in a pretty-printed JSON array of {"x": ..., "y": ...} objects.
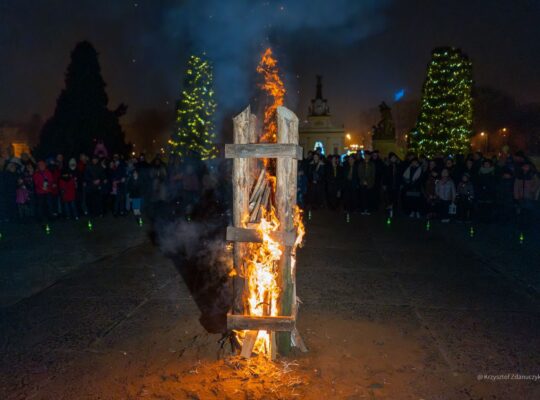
[
  {"x": 263, "y": 289},
  {"x": 275, "y": 89},
  {"x": 261, "y": 265}
]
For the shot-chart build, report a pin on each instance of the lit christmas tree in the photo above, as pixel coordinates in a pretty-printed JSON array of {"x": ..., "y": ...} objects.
[
  {"x": 444, "y": 124},
  {"x": 194, "y": 116}
]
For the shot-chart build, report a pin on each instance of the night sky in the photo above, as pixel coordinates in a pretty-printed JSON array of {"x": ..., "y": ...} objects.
[{"x": 366, "y": 50}]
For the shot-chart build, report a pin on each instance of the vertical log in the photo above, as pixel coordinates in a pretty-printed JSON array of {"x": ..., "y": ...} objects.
[
  {"x": 241, "y": 185},
  {"x": 286, "y": 174}
]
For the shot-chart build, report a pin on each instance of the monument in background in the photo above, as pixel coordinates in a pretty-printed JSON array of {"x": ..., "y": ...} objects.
[{"x": 318, "y": 131}]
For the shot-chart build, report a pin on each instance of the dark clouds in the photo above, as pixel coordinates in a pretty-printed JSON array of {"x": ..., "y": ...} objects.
[{"x": 365, "y": 49}]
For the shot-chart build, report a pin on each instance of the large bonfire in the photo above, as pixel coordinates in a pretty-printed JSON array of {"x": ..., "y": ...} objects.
[{"x": 262, "y": 260}]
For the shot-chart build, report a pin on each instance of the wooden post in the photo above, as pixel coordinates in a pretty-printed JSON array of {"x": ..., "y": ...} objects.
[
  {"x": 286, "y": 175},
  {"x": 241, "y": 183}
]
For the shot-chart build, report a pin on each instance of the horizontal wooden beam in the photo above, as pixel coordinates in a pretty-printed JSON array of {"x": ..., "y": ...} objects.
[
  {"x": 263, "y": 150},
  {"x": 254, "y": 236},
  {"x": 252, "y": 323}
]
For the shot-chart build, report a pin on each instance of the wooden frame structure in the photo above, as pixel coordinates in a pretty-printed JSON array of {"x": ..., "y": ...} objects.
[{"x": 246, "y": 168}]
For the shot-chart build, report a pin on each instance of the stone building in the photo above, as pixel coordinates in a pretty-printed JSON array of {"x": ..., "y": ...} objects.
[{"x": 318, "y": 131}]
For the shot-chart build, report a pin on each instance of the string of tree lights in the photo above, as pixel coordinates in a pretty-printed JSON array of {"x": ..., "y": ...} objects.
[
  {"x": 195, "y": 133},
  {"x": 444, "y": 124}
]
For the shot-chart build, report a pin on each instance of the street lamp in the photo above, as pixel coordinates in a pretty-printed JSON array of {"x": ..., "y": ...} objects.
[{"x": 487, "y": 143}]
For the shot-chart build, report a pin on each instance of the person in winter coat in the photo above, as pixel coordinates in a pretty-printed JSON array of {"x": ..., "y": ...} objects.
[
  {"x": 350, "y": 185},
  {"x": 42, "y": 187},
  {"x": 505, "y": 202},
  {"x": 118, "y": 189},
  {"x": 526, "y": 188},
  {"x": 333, "y": 182},
  {"x": 391, "y": 183},
  {"x": 412, "y": 184},
  {"x": 8, "y": 189},
  {"x": 28, "y": 180},
  {"x": 430, "y": 195},
  {"x": 81, "y": 182},
  {"x": 68, "y": 190},
  {"x": 465, "y": 198},
  {"x": 55, "y": 205},
  {"x": 135, "y": 192},
  {"x": 486, "y": 184},
  {"x": 366, "y": 179},
  {"x": 380, "y": 168},
  {"x": 95, "y": 179},
  {"x": 445, "y": 189},
  {"x": 316, "y": 184},
  {"x": 23, "y": 199}
]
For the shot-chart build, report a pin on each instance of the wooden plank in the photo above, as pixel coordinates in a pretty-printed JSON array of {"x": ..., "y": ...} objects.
[
  {"x": 251, "y": 322},
  {"x": 286, "y": 174},
  {"x": 273, "y": 346},
  {"x": 257, "y": 189},
  {"x": 241, "y": 185},
  {"x": 235, "y": 234},
  {"x": 248, "y": 343},
  {"x": 263, "y": 150}
]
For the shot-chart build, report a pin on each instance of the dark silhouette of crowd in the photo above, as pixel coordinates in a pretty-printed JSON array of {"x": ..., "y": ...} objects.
[
  {"x": 95, "y": 185},
  {"x": 461, "y": 188}
]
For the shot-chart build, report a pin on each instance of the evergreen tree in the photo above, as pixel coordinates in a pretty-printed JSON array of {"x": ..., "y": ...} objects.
[
  {"x": 194, "y": 116},
  {"x": 444, "y": 123},
  {"x": 81, "y": 117}
]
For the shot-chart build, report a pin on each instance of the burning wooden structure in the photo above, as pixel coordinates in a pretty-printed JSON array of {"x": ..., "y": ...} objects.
[{"x": 267, "y": 229}]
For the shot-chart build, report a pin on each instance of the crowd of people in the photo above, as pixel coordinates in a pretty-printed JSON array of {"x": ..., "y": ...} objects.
[
  {"x": 462, "y": 188},
  {"x": 94, "y": 185}
]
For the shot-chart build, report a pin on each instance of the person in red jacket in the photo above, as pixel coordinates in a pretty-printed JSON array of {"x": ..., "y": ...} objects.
[
  {"x": 42, "y": 186},
  {"x": 55, "y": 203},
  {"x": 68, "y": 190}
]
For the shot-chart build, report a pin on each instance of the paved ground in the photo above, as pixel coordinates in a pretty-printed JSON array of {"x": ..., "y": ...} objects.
[{"x": 389, "y": 312}]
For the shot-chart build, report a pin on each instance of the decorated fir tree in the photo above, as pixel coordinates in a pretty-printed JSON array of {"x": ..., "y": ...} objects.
[
  {"x": 194, "y": 117},
  {"x": 444, "y": 122},
  {"x": 82, "y": 117}
]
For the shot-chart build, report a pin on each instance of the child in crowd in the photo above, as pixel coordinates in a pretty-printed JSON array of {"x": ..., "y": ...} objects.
[
  {"x": 446, "y": 194},
  {"x": 22, "y": 198},
  {"x": 68, "y": 190}
]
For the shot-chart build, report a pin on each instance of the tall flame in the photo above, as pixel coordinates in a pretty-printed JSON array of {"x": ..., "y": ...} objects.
[
  {"x": 261, "y": 265},
  {"x": 275, "y": 89}
]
